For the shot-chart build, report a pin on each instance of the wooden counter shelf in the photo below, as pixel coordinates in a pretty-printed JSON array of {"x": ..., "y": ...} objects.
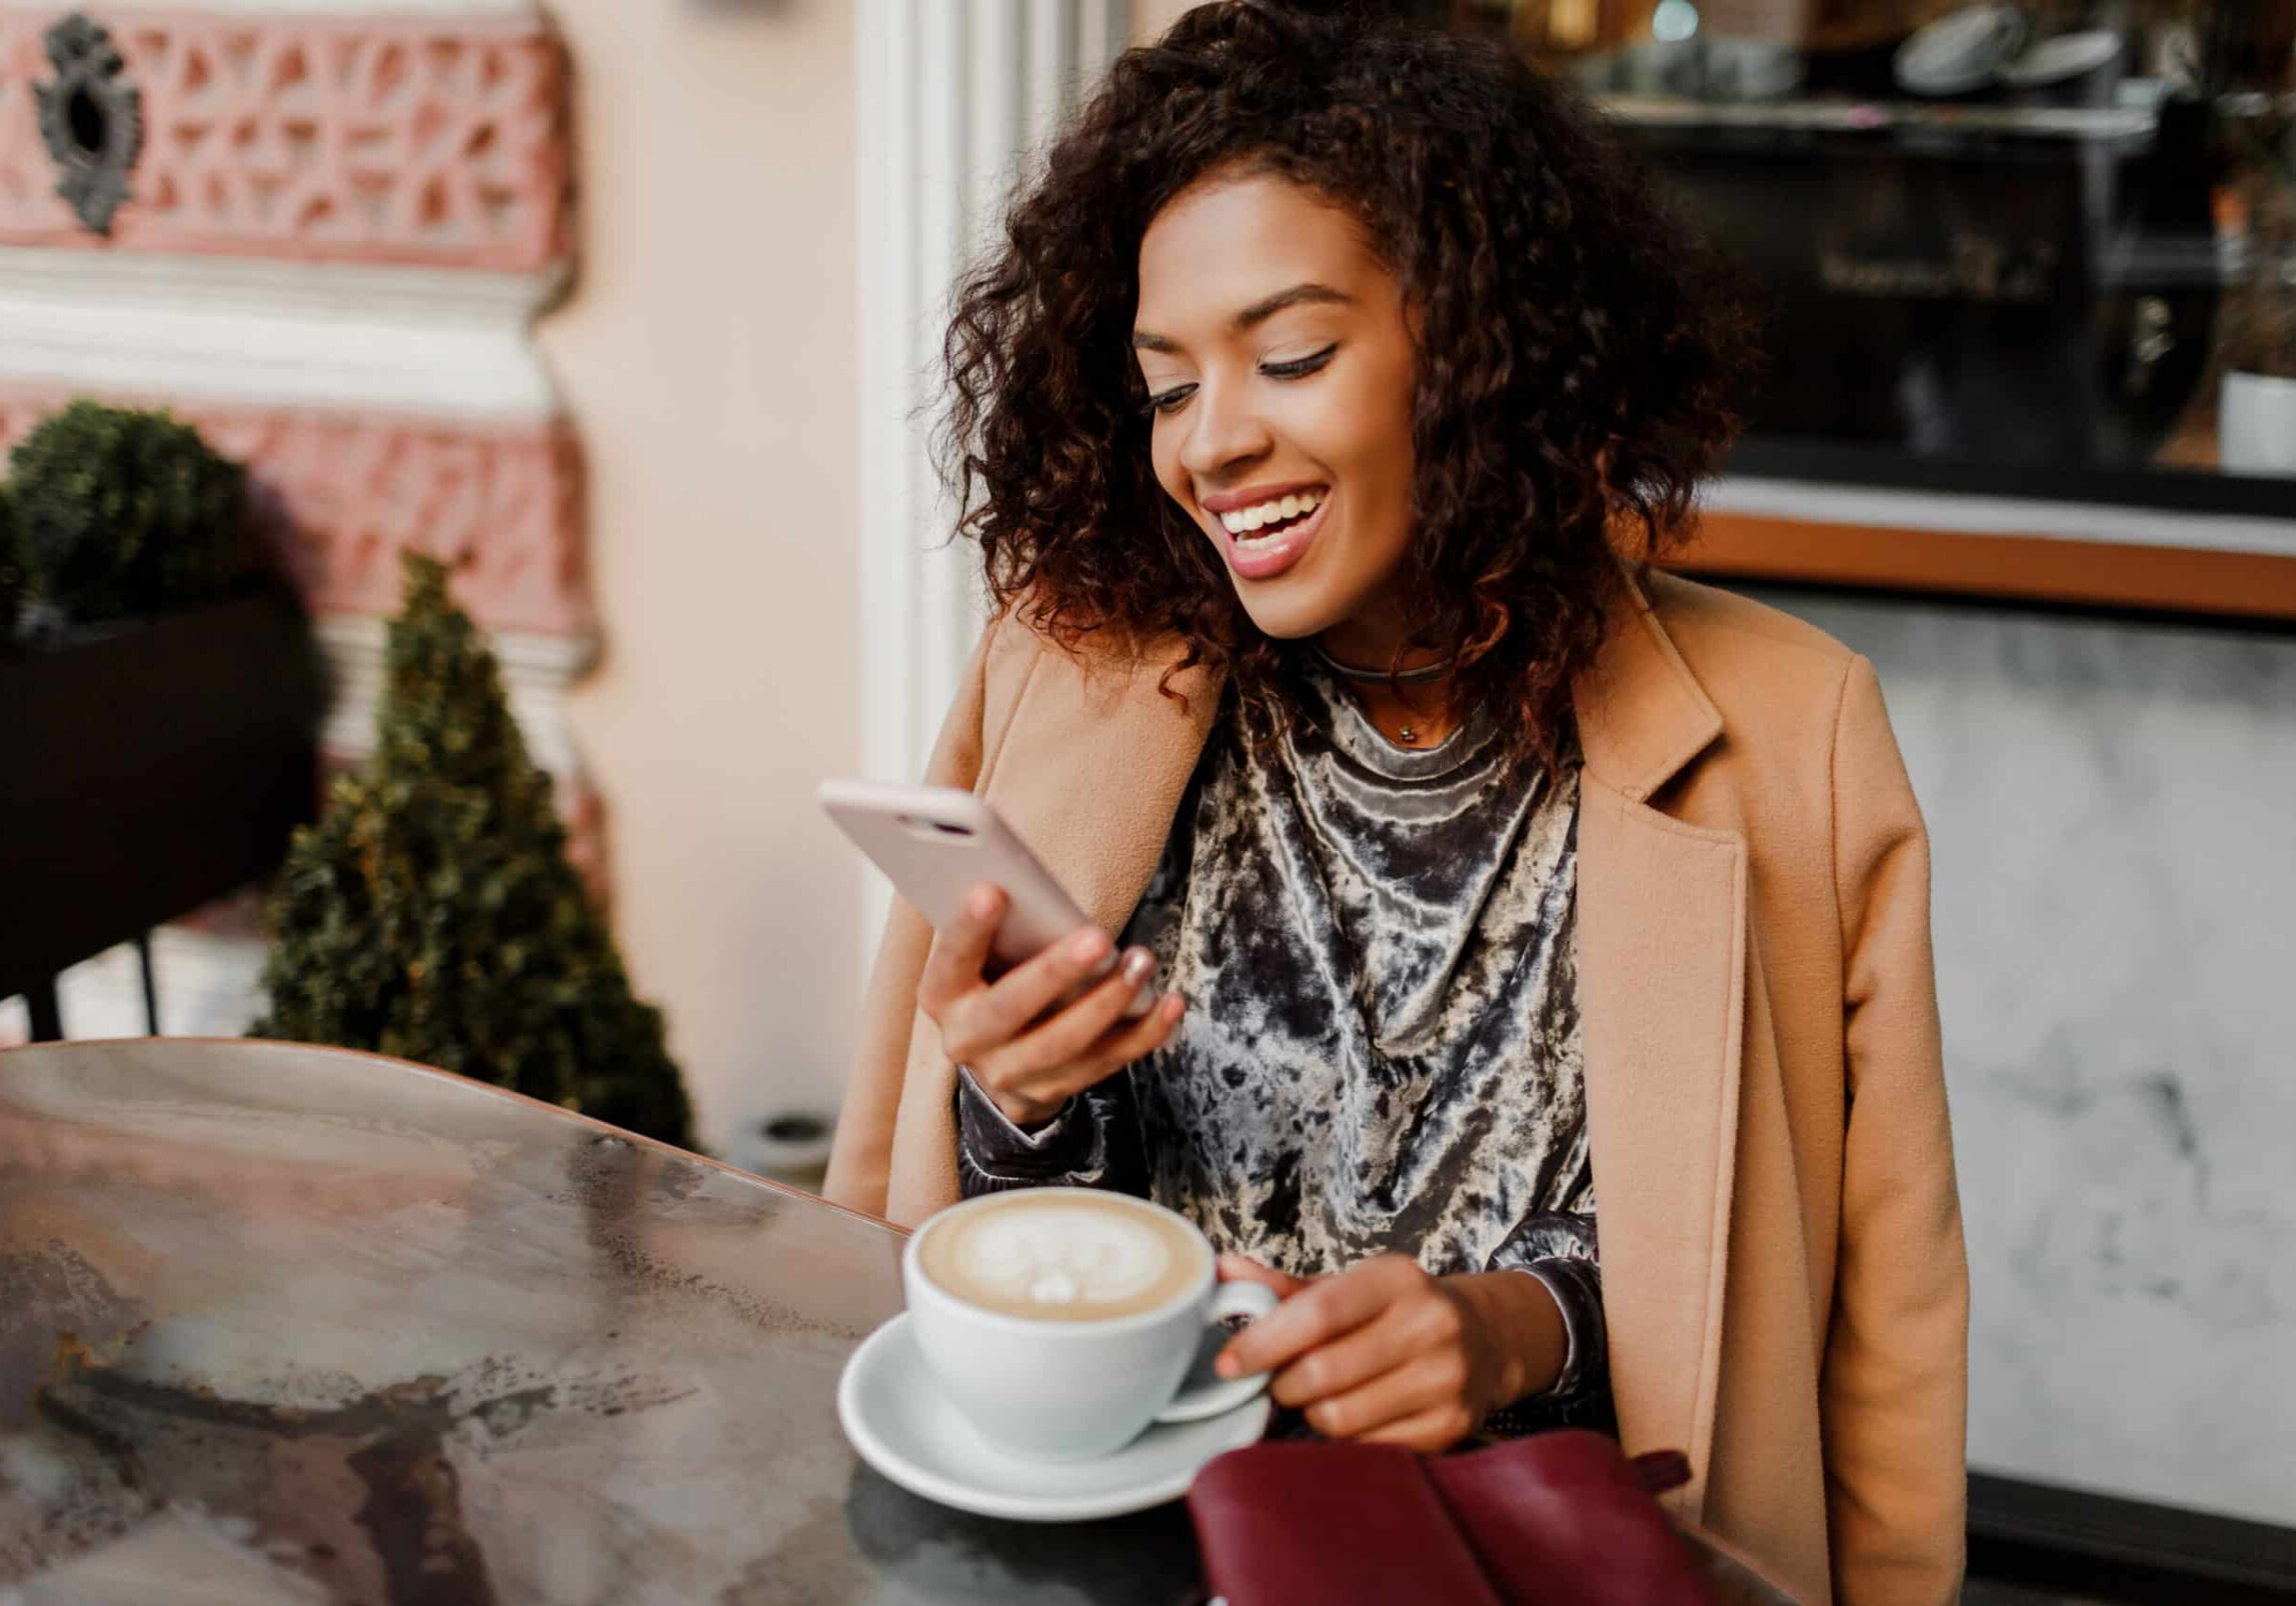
[{"x": 2257, "y": 586}]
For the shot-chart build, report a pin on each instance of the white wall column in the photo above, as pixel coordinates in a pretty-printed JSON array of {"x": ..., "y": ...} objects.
[{"x": 952, "y": 97}]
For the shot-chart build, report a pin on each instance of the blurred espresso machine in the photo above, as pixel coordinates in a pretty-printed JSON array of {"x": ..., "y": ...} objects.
[{"x": 1983, "y": 234}]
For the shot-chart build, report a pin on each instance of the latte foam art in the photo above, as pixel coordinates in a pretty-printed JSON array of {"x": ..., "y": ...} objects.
[{"x": 1055, "y": 1255}]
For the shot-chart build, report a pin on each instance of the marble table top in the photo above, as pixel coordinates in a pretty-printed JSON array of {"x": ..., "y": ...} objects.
[{"x": 290, "y": 1324}]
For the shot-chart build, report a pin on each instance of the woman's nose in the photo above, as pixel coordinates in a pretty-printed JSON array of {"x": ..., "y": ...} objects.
[{"x": 1222, "y": 432}]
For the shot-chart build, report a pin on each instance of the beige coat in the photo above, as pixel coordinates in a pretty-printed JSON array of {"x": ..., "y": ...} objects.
[{"x": 1782, "y": 1263}]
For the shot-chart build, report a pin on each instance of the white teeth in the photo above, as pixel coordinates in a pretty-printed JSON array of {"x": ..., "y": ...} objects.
[{"x": 1250, "y": 518}]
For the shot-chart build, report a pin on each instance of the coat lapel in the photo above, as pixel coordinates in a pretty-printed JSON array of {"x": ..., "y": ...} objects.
[
  {"x": 1661, "y": 914},
  {"x": 1086, "y": 760},
  {"x": 1093, "y": 767},
  {"x": 1091, "y": 774}
]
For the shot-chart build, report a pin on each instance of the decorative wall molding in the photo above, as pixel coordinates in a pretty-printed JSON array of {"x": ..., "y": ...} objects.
[
  {"x": 418, "y": 138},
  {"x": 446, "y": 343},
  {"x": 344, "y": 493},
  {"x": 91, "y": 119}
]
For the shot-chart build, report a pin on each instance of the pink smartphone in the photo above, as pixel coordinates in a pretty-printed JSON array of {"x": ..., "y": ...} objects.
[{"x": 938, "y": 843}]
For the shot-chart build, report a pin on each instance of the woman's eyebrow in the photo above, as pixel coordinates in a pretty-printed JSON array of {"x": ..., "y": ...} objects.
[{"x": 1258, "y": 312}]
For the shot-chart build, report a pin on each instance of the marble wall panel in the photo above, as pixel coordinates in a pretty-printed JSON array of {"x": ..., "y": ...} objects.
[{"x": 2113, "y": 815}]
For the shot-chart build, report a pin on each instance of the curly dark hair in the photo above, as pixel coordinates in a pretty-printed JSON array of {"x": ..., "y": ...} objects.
[{"x": 1578, "y": 350}]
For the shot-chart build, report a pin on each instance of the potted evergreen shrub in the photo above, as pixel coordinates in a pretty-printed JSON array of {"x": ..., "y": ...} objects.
[
  {"x": 432, "y": 914},
  {"x": 124, "y": 516},
  {"x": 159, "y": 691}
]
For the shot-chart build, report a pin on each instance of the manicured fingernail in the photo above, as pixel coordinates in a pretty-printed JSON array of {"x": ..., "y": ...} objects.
[
  {"x": 982, "y": 904},
  {"x": 1137, "y": 964},
  {"x": 1173, "y": 1004},
  {"x": 1088, "y": 946},
  {"x": 1226, "y": 1365}
]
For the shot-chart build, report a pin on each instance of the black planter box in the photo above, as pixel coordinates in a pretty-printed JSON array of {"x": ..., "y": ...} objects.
[{"x": 148, "y": 772}]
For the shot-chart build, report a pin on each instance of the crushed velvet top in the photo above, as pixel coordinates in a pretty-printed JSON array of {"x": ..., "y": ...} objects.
[{"x": 1381, "y": 1050}]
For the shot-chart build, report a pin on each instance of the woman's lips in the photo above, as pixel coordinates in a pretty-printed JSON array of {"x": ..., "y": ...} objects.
[{"x": 1264, "y": 559}]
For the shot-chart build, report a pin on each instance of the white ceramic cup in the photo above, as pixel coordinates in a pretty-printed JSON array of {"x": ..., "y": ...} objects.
[
  {"x": 1066, "y": 1390},
  {"x": 1961, "y": 51}
]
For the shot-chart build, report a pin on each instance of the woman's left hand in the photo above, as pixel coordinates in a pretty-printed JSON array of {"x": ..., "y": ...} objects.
[{"x": 1385, "y": 1352}]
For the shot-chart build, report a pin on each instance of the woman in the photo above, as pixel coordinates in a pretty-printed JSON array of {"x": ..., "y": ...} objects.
[{"x": 1304, "y": 415}]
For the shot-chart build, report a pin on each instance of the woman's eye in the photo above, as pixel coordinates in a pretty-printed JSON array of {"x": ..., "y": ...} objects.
[
  {"x": 1299, "y": 366},
  {"x": 1168, "y": 400}
]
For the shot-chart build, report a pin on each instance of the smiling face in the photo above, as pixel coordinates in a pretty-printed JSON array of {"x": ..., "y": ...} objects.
[{"x": 1277, "y": 352}]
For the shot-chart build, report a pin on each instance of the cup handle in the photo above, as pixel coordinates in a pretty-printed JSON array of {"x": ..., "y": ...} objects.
[{"x": 1204, "y": 1392}]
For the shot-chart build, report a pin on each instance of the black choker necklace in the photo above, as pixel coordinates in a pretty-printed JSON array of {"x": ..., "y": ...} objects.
[{"x": 1405, "y": 677}]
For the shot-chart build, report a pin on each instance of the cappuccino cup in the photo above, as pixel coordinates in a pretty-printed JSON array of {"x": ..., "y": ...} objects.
[{"x": 1061, "y": 1321}]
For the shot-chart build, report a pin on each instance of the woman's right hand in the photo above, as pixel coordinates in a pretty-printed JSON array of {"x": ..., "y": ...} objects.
[{"x": 1029, "y": 1056}]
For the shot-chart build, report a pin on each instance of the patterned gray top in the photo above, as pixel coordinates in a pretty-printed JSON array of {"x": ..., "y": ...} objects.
[{"x": 1381, "y": 1050}]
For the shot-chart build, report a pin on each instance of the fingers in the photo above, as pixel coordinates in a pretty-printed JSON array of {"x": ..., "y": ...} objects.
[
  {"x": 1377, "y": 1352},
  {"x": 960, "y": 952},
  {"x": 1075, "y": 1033},
  {"x": 1317, "y": 1315},
  {"x": 1042, "y": 1070},
  {"x": 1426, "y": 1430},
  {"x": 1349, "y": 1361},
  {"x": 1134, "y": 1040},
  {"x": 1419, "y": 1385},
  {"x": 1242, "y": 1268},
  {"x": 996, "y": 1014}
]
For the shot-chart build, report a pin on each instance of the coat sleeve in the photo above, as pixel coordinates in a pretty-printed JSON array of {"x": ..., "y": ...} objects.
[
  {"x": 1896, "y": 1371},
  {"x": 861, "y": 1155}
]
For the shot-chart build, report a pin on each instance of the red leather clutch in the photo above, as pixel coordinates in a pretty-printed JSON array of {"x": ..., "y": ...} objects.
[{"x": 1560, "y": 1518}]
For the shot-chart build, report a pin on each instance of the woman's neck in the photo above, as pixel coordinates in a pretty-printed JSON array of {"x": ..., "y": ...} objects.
[
  {"x": 1371, "y": 646},
  {"x": 1413, "y": 713}
]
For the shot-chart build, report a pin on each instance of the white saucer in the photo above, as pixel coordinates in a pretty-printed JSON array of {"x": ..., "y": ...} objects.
[{"x": 902, "y": 1427}]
